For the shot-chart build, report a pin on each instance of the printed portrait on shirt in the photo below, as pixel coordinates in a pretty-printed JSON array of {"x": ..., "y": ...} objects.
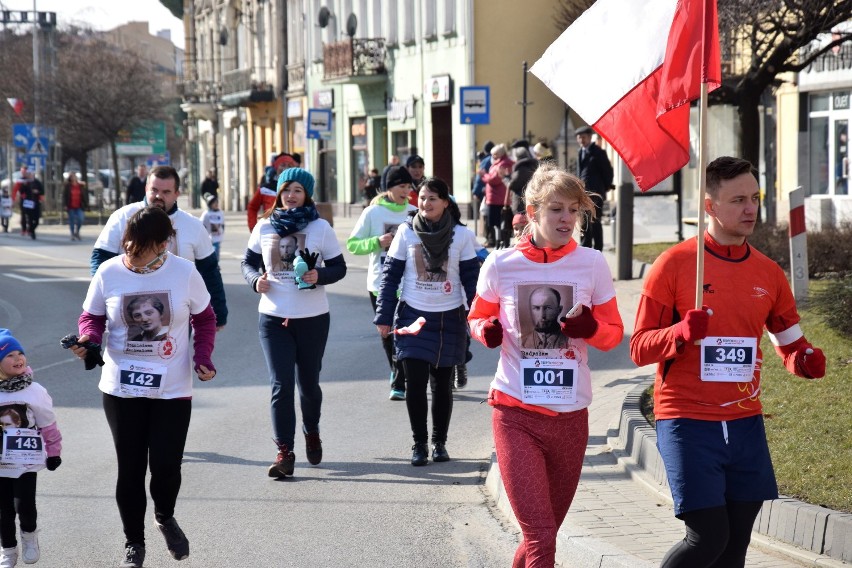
[
  {"x": 13, "y": 416},
  {"x": 424, "y": 272},
  {"x": 284, "y": 251},
  {"x": 148, "y": 317},
  {"x": 540, "y": 307},
  {"x": 391, "y": 228}
]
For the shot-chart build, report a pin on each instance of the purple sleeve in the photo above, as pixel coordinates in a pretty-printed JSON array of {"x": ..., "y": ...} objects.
[
  {"x": 92, "y": 325},
  {"x": 52, "y": 440},
  {"x": 204, "y": 330}
]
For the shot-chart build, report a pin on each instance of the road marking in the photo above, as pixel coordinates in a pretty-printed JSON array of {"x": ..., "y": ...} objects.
[{"x": 48, "y": 279}]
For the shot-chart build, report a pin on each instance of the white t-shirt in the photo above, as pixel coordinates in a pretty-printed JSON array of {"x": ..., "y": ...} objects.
[
  {"x": 285, "y": 299},
  {"x": 432, "y": 292},
  {"x": 30, "y": 407},
  {"x": 214, "y": 222},
  {"x": 5, "y": 206},
  {"x": 375, "y": 221},
  {"x": 148, "y": 349},
  {"x": 515, "y": 282},
  {"x": 191, "y": 241}
]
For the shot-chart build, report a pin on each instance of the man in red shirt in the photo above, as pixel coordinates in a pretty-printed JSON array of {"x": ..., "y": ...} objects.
[{"x": 710, "y": 430}]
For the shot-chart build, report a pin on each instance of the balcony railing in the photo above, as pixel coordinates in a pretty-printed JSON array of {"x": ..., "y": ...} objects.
[
  {"x": 354, "y": 58},
  {"x": 195, "y": 90}
]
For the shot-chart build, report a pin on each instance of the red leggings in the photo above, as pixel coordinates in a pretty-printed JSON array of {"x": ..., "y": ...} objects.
[{"x": 540, "y": 460}]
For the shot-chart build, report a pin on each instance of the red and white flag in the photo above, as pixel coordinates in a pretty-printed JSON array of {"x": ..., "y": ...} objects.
[
  {"x": 630, "y": 70},
  {"x": 17, "y": 105}
]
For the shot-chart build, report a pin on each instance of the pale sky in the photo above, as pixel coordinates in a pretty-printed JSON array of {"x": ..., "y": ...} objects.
[{"x": 105, "y": 14}]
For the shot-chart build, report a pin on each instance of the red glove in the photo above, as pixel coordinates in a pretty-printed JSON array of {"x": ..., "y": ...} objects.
[
  {"x": 492, "y": 333},
  {"x": 693, "y": 327},
  {"x": 810, "y": 362},
  {"x": 582, "y": 326}
]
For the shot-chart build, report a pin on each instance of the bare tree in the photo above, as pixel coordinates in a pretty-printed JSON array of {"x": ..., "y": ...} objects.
[
  {"x": 766, "y": 38},
  {"x": 104, "y": 91}
]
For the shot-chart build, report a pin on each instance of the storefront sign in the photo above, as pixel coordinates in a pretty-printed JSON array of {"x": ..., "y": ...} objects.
[
  {"x": 401, "y": 110},
  {"x": 324, "y": 99},
  {"x": 438, "y": 89},
  {"x": 294, "y": 108}
]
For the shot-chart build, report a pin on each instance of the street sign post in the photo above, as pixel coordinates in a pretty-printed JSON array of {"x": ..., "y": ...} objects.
[
  {"x": 475, "y": 105},
  {"x": 319, "y": 123}
]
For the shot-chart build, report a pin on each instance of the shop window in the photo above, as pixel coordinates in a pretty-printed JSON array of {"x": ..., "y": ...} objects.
[{"x": 819, "y": 156}]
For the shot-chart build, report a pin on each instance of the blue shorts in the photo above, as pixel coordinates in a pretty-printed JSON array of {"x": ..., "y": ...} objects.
[{"x": 706, "y": 470}]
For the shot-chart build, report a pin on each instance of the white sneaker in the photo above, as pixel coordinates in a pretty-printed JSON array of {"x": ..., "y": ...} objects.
[
  {"x": 8, "y": 557},
  {"x": 29, "y": 547}
]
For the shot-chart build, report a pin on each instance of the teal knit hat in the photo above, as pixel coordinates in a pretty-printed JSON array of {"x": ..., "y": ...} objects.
[{"x": 304, "y": 177}]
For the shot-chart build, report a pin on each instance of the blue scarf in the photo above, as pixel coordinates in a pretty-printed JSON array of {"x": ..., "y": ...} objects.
[{"x": 289, "y": 221}]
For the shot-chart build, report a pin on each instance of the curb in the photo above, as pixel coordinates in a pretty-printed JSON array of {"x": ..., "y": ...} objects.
[
  {"x": 575, "y": 547},
  {"x": 810, "y": 534}
]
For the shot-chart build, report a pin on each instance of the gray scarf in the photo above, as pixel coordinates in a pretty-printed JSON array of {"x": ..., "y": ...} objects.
[
  {"x": 436, "y": 238},
  {"x": 20, "y": 382}
]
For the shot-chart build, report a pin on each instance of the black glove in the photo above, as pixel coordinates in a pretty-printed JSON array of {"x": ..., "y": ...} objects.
[
  {"x": 53, "y": 462},
  {"x": 93, "y": 350},
  {"x": 309, "y": 257}
]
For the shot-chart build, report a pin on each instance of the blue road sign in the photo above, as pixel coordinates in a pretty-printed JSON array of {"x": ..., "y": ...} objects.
[
  {"x": 319, "y": 123},
  {"x": 26, "y": 135},
  {"x": 475, "y": 105},
  {"x": 164, "y": 159}
]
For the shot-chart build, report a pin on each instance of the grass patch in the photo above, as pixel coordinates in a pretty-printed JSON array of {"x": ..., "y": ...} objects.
[
  {"x": 648, "y": 252},
  {"x": 807, "y": 422}
]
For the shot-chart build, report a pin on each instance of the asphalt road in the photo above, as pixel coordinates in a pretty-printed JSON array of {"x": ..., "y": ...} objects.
[{"x": 365, "y": 505}]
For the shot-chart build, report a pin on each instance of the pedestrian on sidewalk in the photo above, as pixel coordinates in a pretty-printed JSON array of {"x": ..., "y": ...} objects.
[
  {"x": 294, "y": 319},
  {"x": 709, "y": 418},
  {"x": 496, "y": 193},
  {"x": 594, "y": 168},
  {"x": 75, "y": 198},
  {"x": 373, "y": 234},
  {"x": 541, "y": 394},
  {"x": 26, "y": 415},
  {"x": 433, "y": 258},
  {"x": 5, "y": 208},
  {"x": 147, "y": 381}
]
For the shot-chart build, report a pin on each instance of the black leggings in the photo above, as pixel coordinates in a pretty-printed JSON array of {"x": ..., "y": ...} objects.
[
  {"x": 417, "y": 377},
  {"x": 715, "y": 538},
  {"x": 143, "y": 430},
  {"x": 387, "y": 344},
  {"x": 17, "y": 496}
]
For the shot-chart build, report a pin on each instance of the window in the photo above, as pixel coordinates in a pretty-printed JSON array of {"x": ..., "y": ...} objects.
[
  {"x": 429, "y": 21},
  {"x": 449, "y": 27},
  {"x": 408, "y": 17},
  {"x": 391, "y": 24},
  {"x": 818, "y": 175}
]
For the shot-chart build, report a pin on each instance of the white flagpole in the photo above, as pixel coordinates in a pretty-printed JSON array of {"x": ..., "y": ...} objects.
[{"x": 702, "y": 183}]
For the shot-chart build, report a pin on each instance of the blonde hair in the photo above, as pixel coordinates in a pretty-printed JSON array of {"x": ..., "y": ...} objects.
[{"x": 549, "y": 181}]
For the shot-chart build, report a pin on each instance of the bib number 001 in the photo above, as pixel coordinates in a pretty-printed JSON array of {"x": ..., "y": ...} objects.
[{"x": 544, "y": 377}]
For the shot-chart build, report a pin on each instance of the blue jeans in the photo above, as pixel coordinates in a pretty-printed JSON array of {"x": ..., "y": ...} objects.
[
  {"x": 75, "y": 221},
  {"x": 294, "y": 353}
]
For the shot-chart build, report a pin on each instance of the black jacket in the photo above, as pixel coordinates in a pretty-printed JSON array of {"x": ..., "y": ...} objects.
[{"x": 595, "y": 170}]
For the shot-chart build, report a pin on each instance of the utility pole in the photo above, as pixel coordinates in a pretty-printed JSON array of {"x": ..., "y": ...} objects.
[{"x": 524, "y": 104}]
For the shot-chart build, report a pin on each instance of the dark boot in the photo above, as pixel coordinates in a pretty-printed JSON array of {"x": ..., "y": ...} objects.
[
  {"x": 419, "y": 454},
  {"x": 313, "y": 447},
  {"x": 460, "y": 381},
  {"x": 439, "y": 452},
  {"x": 284, "y": 462}
]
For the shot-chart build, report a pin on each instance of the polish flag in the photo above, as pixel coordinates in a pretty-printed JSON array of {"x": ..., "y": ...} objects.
[
  {"x": 17, "y": 105},
  {"x": 630, "y": 70}
]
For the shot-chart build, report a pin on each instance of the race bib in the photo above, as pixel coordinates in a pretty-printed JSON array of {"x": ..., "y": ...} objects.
[
  {"x": 28, "y": 204},
  {"x": 23, "y": 446},
  {"x": 549, "y": 381},
  {"x": 728, "y": 359},
  {"x": 141, "y": 379}
]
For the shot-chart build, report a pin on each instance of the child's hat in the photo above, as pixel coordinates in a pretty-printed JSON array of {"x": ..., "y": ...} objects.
[
  {"x": 8, "y": 343},
  {"x": 519, "y": 219},
  {"x": 209, "y": 198}
]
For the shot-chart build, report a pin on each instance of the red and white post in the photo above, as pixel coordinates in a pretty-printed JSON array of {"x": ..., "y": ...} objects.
[{"x": 798, "y": 245}]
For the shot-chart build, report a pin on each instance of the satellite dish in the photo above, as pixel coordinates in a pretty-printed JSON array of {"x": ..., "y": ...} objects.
[
  {"x": 324, "y": 16},
  {"x": 351, "y": 25}
]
